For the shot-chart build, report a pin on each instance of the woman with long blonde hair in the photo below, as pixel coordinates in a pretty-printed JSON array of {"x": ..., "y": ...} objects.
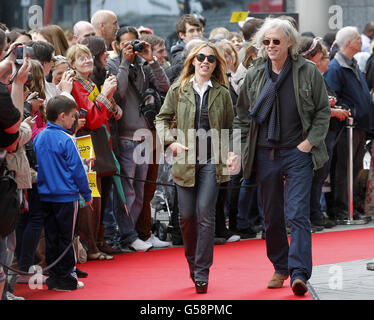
[{"x": 201, "y": 104}]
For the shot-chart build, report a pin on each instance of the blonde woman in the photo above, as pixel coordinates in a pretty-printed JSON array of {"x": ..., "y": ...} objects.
[{"x": 199, "y": 100}]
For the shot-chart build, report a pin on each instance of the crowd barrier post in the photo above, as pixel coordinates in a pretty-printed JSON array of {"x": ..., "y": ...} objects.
[{"x": 350, "y": 220}]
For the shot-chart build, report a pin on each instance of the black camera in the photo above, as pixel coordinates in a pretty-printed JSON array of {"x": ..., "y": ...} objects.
[
  {"x": 21, "y": 52},
  {"x": 138, "y": 46}
]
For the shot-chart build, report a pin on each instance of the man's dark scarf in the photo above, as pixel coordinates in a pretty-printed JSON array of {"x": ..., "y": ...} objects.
[{"x": 267, "y": 105}]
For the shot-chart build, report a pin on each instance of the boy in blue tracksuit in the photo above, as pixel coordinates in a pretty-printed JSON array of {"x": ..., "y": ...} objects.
[{"x": 61, "y": 178}]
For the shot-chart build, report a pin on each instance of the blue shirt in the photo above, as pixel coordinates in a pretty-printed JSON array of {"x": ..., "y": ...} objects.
[{"x": 61, "y": 175}]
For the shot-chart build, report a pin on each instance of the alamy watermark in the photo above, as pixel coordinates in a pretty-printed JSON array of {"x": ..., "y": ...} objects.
[
  {"x": 336, "y": 17},
  {"x": 202, "y": 146},
  {"x": 336, "y": 279},
  {"x": 35, "y": 17}
]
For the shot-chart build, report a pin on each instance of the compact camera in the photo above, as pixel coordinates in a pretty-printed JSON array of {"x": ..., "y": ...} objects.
[
  {"x": 138, "y": 46},
  {"x": 21, "y": 52}
]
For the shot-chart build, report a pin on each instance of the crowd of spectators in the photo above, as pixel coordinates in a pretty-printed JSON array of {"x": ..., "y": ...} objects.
[{"x": 96, "y": 71}]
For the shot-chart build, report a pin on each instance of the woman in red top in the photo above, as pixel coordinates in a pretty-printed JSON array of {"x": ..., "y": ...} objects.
[{"x": 97, "y": 106}]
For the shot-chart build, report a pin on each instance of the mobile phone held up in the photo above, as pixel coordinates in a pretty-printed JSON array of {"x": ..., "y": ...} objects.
[{"x": 82, "y": 113}]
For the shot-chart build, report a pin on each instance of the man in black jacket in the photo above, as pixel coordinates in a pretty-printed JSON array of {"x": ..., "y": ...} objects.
[{"x": 188, "y": 27}]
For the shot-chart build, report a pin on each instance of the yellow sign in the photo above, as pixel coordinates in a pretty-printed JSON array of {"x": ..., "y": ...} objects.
[
  {"x": 86, "y": 148},
  {"x": 93, "y": 184},
  {"x": 239, "y": 16}
]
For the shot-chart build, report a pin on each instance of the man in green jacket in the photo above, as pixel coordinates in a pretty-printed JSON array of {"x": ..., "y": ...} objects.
[{"x": 284, "y": 114}]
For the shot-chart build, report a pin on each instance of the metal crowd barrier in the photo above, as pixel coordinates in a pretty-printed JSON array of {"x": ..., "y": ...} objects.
[{"x": 350, "y": 219}]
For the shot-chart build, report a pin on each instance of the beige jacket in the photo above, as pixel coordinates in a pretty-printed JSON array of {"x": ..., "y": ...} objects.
[{"x": 18, "y": 161}]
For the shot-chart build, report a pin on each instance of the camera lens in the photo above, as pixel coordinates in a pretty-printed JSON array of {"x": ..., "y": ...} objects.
[{"x": 138, "y": 46}]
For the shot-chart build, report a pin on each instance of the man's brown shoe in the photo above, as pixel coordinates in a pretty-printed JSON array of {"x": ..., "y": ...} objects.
[
  {"x": 277, "y": 281},
  {"x": 299, "y": 287}
]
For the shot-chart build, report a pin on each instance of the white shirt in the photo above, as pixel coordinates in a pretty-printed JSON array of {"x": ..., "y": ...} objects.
[
  {"x": 205, "y": 87},
  {"x": 366, "y": 42}
]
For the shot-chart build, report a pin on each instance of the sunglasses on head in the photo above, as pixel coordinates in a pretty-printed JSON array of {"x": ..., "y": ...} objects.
[
  {"x": 267, "y": 42},
  {"x": 201, "y": 58}
]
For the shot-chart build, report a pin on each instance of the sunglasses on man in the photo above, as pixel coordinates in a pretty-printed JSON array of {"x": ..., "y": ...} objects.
[
  {"x": 267, "y": 42},
  {"x": 201, "y": 58}
]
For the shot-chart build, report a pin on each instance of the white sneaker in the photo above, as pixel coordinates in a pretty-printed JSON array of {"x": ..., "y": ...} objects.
[
  {"x": 11, "y": 296},
  {"x": 233, "y": 238},
  {"x": 140, "y": 246},
  {"x": 157, "y": 243},
  {"x": 24, "y": 279},
  {"x": 80, "y": 285}
]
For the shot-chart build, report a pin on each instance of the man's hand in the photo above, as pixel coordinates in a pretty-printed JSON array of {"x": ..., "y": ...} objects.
[
  {"x": 128, "y": 51},
  {"x": 305, "y": 146},
  {"x": 341, "y": 114},
  {"x": 147, "y": 54}
]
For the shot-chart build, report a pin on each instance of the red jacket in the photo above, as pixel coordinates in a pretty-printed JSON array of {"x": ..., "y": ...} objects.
[{"x": 97, "y": 112}]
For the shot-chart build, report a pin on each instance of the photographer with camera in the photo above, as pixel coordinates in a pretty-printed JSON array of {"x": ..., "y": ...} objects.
[
  {"x": 12, "y": 132},
  {"x": 138, "y": 73}
]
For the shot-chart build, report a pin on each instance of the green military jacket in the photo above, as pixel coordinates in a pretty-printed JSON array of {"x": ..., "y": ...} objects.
[
  {"x": 183, "y": 109},
  {"x": 312, "y": 104}
]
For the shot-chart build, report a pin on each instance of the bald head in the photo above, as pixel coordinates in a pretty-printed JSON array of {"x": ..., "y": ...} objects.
[
  {"x": 83, "y": 30},
  {"x": 106, "y": 25},
  {"x": 369, "y": 30}
]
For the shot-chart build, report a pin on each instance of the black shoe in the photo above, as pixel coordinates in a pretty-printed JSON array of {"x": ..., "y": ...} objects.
[
  {"x": 358, "y": 216},
  {"x": 219, "y": 241},
  {"x": 201, "y": 286},
  {"x": 299, "y": 287},
  {"x": 247, "y": 233},
  {"x": 316, "y": 228},
  {"x": 80, "y": 273},
  {"x": 344, "y": 215},
  {"x": 326, "y": 223},
  {"x": 51, "y": 283}
]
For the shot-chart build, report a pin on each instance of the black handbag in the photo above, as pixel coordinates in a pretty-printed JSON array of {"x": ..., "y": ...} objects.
[
  {"x": 105, "y": 164},
  {"x": 150, "y": 104},
  {"x": 9, "y": 201}
]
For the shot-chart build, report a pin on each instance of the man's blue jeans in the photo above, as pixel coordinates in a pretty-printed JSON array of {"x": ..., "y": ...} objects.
[
  {"x": 285, "y": 185},
  {"x": 132, "y": 167},
  {"x": 249, "y": 199}
]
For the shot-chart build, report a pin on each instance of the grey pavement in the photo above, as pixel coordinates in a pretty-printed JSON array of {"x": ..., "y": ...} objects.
[{"x": 343, "y": 281}]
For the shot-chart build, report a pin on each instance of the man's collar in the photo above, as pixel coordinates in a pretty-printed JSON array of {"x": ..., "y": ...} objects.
[{"x": 344, "y": 61}]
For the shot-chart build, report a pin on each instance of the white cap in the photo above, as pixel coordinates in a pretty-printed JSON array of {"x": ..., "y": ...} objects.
[{"x": 241, "y": 23}]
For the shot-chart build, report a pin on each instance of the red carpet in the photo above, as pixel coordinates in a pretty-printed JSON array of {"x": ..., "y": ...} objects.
[{"x": 240, "y": 272}]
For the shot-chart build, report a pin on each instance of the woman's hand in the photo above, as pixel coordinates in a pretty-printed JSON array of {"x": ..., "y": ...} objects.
[
  {"x": 66, "y": 83},
  {"x": 119, "y": 113},
  {"x": 23, "y": 72},
  {"x": 35, "y": 102},
  {"x": 81, "y": 124},
  {"x": 233, "y": 163},
  {"x": 109, "y": 87},
  {"x": 177, "y": 148},
  {"x": 30, "y": 122}
]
